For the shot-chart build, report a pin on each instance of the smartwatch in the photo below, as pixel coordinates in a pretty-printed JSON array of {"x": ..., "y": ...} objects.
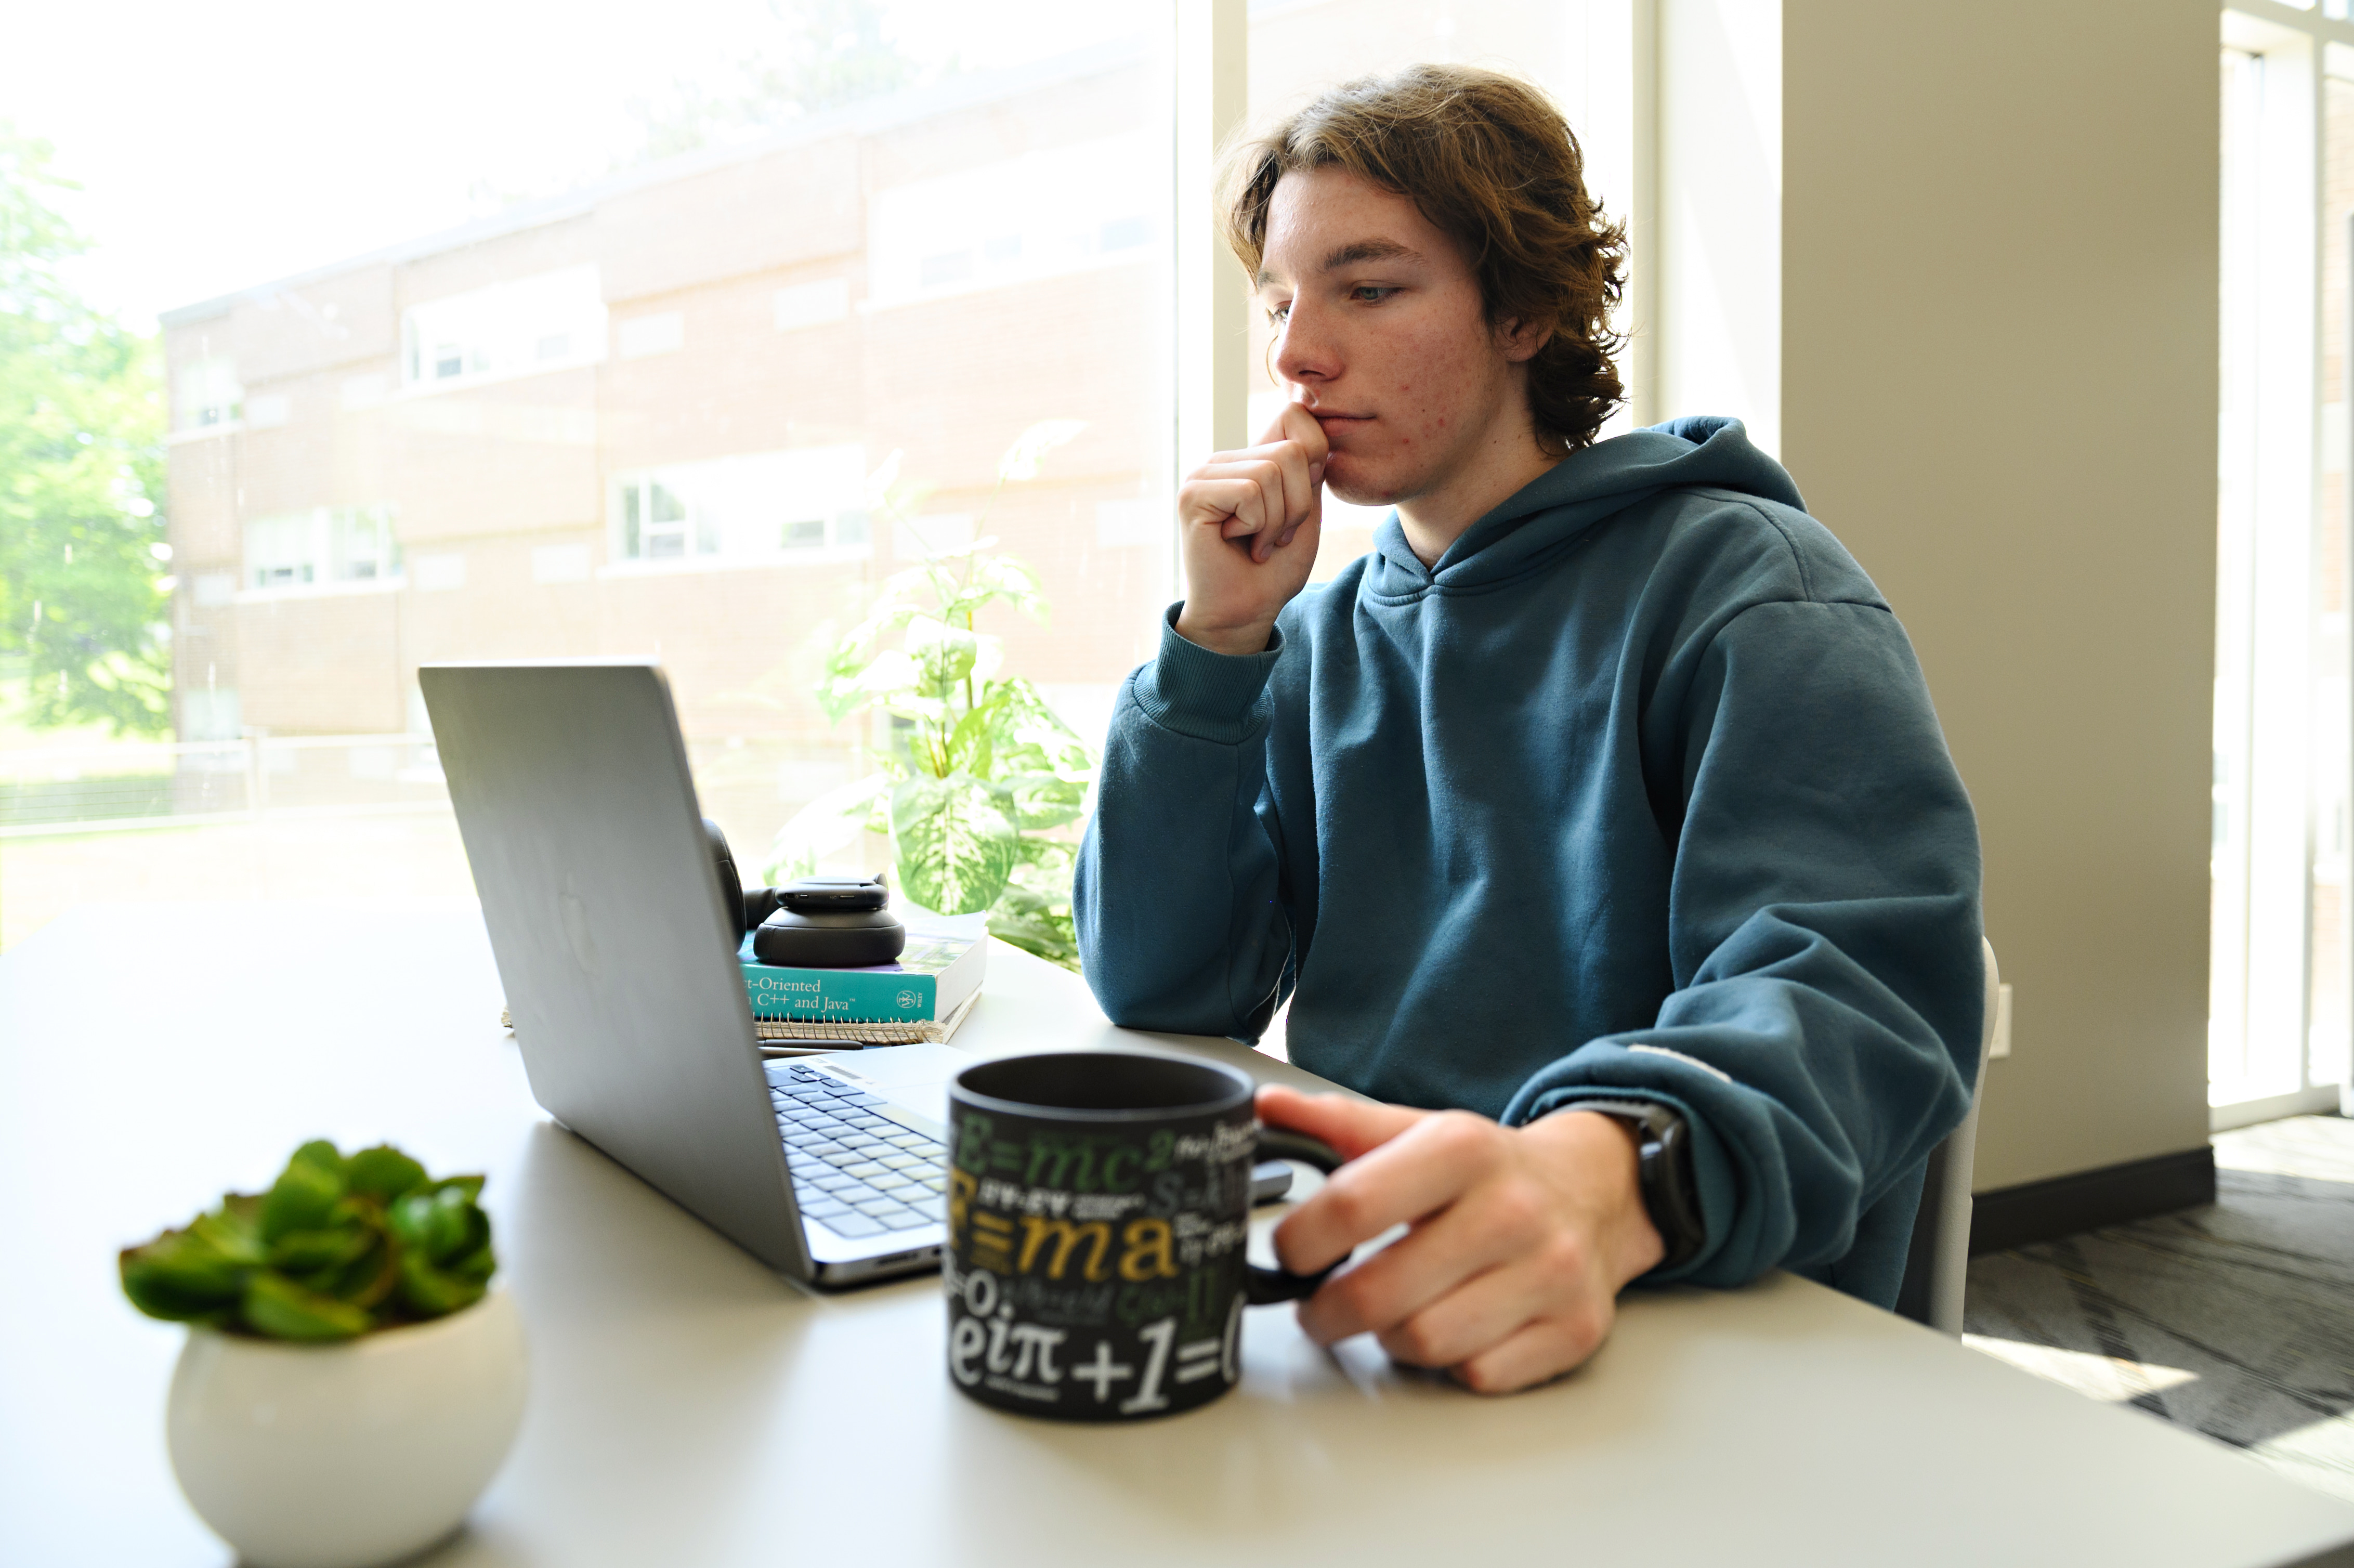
[{"x": 1663, "y": 1144}]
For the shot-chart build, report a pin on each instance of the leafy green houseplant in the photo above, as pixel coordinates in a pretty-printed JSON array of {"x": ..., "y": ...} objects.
[
  {"x": 981, "y": 785},
  {"x": 339, "y": 1246}
]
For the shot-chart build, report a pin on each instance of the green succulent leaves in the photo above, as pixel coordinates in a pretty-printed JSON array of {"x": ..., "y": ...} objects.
[
  {"x": 338, "y": 1247},
  {"x": 445, "y": 1241}
]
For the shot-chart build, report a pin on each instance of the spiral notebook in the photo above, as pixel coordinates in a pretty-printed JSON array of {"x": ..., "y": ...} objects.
[{"x": 787, "y": 1037}]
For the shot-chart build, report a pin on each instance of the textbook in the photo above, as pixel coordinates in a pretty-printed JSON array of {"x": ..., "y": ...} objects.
[{"x": 923, "y": 996}]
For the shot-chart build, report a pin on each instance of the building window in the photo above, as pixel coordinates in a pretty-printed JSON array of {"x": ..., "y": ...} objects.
[
  {"x": 326, "y": 546},
  {"x": 207, "y": 393},
  {"x": 1057, "y": 210},
  {"x": 654, "y": 521},
  {"x": 549, "y": 320},
  {"x": 761, "y": 507}
]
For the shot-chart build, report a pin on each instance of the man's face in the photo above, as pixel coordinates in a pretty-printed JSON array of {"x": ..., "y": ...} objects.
[{"x": 1380, "y": 331}]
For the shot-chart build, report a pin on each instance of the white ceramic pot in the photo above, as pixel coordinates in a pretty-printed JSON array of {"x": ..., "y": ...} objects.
[{"x": 348, "y": 1455}]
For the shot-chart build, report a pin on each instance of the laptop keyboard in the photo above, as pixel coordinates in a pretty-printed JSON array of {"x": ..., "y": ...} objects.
[{"x": 855, "y": 1171}]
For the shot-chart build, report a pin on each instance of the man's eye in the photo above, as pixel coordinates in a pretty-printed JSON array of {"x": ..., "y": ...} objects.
[{"x": 1371, "y": 293}]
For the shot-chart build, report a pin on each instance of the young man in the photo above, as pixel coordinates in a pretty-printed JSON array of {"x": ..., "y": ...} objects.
[{"x": 1600, "y": 809}]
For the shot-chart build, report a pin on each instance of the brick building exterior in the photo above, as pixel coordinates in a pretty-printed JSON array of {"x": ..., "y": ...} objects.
[{"x": 640, "y": 418}]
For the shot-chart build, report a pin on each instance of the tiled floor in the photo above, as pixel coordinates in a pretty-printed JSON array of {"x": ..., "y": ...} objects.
[{"x": 2236, "y": 1320}]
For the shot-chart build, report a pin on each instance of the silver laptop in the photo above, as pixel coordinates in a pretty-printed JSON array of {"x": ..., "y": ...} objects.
[{"x": 579, "y": 817}]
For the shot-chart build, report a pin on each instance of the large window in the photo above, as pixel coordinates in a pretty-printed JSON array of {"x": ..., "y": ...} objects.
[
  {"x": 680, "y": 340},
  {"x": 2279, "y": 1018}
]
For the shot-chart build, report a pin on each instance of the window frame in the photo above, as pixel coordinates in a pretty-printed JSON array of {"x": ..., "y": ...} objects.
[
  {"x": 329, "y": 534},
  {"x": 587, "y": 333},
  {"x": 2281, "y": 675},
  {"x": 849, "y": 531}
]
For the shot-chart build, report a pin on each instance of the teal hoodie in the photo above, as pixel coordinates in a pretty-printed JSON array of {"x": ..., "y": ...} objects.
[{"x": 1638, "y": 793}]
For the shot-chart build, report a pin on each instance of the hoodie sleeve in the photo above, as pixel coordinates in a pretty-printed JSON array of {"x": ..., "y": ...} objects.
[
  {"x": 1823, "y": 1031},
  {"x": 1181, "y": 924}
]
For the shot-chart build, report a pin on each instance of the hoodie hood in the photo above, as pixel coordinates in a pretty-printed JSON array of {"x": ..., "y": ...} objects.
[{"x": 1590, "y": 484}]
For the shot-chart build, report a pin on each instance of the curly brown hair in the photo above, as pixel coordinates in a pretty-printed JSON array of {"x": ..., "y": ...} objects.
[{"x": 1493, "y": 165}]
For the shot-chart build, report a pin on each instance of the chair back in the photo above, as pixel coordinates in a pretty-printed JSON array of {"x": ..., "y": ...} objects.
[{"x": 1937, "y": 1264}]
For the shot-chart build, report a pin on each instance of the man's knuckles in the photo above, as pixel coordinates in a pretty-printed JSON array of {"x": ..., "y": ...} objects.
[
  {"x": 1517, "y": 1212},
  {"x": 1351, "y": 1126},
  {"x": 1422, "y": 1340},
  {"x": 1464, "y": 1141},
  {"x": 1521, "y": 1361},
  {"x": 1213, "y": 501},
  {"x": 1347, "y": 1208},
  {"x": 1586, "y": 1326},
  {"x": 1502, "y": 1371},
  {"x": 1484, "y": 1375},
  {"x": 1351, "y": 1303},
  {"x": 1538, "y": 1353},
  {"x": 1564, "y": 1263}
]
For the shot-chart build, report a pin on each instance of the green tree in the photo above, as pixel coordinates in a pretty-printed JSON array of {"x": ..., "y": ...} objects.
[{"x": 82, "y": 597}]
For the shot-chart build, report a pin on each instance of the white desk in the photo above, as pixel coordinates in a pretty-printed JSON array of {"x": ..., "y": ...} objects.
[{"x": 688, "y": 1407}]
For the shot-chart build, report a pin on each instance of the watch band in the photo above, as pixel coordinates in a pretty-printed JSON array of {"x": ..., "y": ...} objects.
[{"x": 1663, "y": 1162}]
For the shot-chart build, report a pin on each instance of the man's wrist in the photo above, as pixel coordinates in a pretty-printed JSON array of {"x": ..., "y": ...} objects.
[
  {"x": 1234, "y": 642},
  {"x": 1607, "y": 1153},
  {"x": 1671, "y": 1201}
]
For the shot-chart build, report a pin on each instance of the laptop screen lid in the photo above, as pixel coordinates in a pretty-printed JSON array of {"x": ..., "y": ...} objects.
[{"x": 579, "y": 817}]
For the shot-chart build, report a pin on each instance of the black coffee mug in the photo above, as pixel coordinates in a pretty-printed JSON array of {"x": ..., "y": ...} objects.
[{"x": 1098, "y": 1207}]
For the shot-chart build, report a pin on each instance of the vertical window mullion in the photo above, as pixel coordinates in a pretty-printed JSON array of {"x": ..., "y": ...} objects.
[{"x": 2271, "y": 663}]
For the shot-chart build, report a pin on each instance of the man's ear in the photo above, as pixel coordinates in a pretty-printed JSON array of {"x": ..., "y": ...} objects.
[{"x": 1520, "y": 342}]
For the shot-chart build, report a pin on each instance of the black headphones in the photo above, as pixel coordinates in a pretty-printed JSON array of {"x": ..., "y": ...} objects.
[{"x": 816, "y": 923}]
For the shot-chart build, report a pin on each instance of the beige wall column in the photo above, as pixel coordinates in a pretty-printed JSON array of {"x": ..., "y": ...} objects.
[{"x": 1998, "y": 363}]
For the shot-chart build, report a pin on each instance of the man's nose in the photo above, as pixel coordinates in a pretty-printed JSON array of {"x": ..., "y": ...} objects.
[{"x": 1303, "y": 351}]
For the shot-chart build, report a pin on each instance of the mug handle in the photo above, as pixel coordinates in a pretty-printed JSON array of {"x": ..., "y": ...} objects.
[{"x": 1264, "y": 1287}]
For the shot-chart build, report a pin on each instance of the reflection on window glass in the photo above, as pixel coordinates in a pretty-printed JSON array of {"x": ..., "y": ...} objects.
[
  {"x": 746, "y": 509},
  {"x": 685, "y": 349},
  {"x": 505, "y": 328},
  {"x": 328, "y": 545},
  {"x": 207, "y": 392},
  {"x": 1049, "y": 212}
]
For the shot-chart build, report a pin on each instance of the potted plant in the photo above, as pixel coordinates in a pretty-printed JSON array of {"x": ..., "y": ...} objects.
[
  {"x": 980, "y": 783},
  {"x": 350, "y": 1382}
]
